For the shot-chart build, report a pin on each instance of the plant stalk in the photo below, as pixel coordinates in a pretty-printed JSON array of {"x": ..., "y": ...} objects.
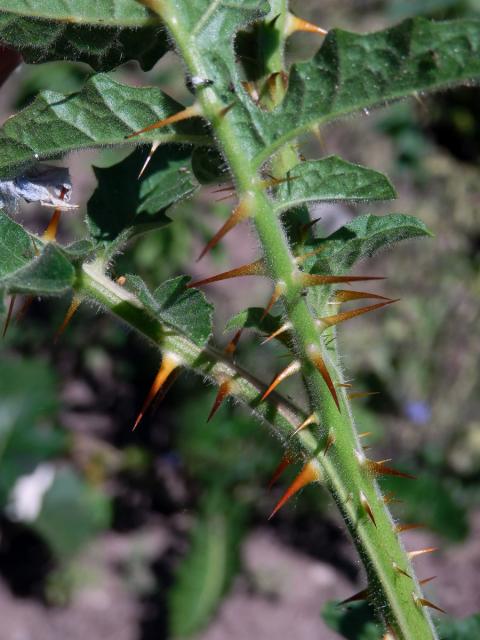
[{"x": 344, "y": 467}]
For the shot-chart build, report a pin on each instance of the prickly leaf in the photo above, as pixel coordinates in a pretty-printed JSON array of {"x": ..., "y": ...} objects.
[
  {"x": 185, "y": 310},
  {"x": 103, "y": 113},
  {"x": 102, "y": 35}
]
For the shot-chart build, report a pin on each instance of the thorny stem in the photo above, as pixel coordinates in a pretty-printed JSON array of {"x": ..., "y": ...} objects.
[{"x": 343, "y": 468}]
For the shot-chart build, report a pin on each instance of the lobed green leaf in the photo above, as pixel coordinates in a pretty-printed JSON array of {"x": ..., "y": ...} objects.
[
  {"x": 331, "y": 179},
  {"x": 363, "y": 237},
  {"x": 100, "y": 34},
  {"x": 103, "y": 113},
  {"x": 354, "y": 72},
  {"x": 185, "y": 310},
  {"x": 122, "y": 206},
  {"x": 21, "y": 271}
]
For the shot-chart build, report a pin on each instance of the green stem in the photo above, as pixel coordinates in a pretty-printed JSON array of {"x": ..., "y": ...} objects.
[
  {"x": 280, "y": 414},
  {"x": 344, "y": 467}
]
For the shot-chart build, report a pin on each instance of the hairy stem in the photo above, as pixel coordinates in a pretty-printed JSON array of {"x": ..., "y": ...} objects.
[{"x": 345, "y": 467}]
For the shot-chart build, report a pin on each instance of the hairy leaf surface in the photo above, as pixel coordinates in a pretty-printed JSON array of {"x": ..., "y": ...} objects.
[
  {"x": 21, "y": 271},
  {"x": 329, "y": 180},
  {"x": 354, "y": 72},
  {"x": 363, "y": 237},
  {"x": 101, "y": 34},
  {"x": 185, "y": 310},
  {"x": 103, "y": 113}
]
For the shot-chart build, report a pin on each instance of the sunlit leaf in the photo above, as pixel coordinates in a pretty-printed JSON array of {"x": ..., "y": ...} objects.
[
  {"x": 186, "y": 310},
  {"x": 103, "y": 35}
]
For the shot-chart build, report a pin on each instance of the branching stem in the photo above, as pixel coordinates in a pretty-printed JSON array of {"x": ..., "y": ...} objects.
[{"x": 345, "y": 468}]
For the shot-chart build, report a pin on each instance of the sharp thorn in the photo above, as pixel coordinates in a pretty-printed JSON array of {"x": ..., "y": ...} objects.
[
  {"x": 72, "y": 309},
  {"x": 312, "y": 419},
  {"x": 344, "y": 385},
  {"x": 241, "y": 212},
  {"x": 229, "y": 196},
  {"x": 293, "y": 367},
  {"x": 301, "y": 259},
  {"x": 367, "y": 508},
  {"x": 169, "y": 363},
  {"x": 329, "y": 443},
  {"x": 389, "y": 498},
  {"x": 344, "y": 295},
  {"x": 50, "y": 232},
  {"x": 365, "y": 434},
  {"x": 314, "y": 280},
  {"x": 420, "y": 552},
  {"x": 317, "y": 359},
  {"x": 380, "y": 469},
  {"x": 401, "y": 571},
  {"x": 285, "y": 327},
  {"x": 9, "y": 315},
  {"x": 306, "y": 227},
  {"x": 360, "y": 395},
  {"x": 310, "y": 473},
  {"x": 390, "y": 634},
  {"x": 223, "y": 112},
  {"x": 283, "y": 464},
  {"x": 232, "y": 345},
  {"x": 189, "y": 112},
  {"x": 330, "y": 321},
  {"x": 401, "y": 528},
  {"x": 230, "y": 188},
  {"x": 256, "y": 268},
  {"x": 223, "y": 391},
  {"x": 24, "y": 308},
  {"x": 357, "y": 597},
  {"x": 278, "y": 291},
  {"x": 153, "y": 148},
  {"x": 252, "y": 90},
  {"x": 294, "y": 24},
  {"x": 273, "y": 182},
  {"x": 423, "y": 602},
  {"x": 427, "y": 580}
]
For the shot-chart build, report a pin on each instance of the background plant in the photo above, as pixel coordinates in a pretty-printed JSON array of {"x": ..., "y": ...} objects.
[{"x": 109, "y": 230}]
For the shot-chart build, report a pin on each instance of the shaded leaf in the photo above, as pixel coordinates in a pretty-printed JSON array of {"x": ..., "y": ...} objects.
[
  {"x": 357, "y": 622},
  {"x": 16, "y": 248},
  {"x": 185, "y": 310},
  {"x": 123, "y": 206},
  {"x": 329, "y": 180},
  {"x": 102, "y": 35},
  {"x": 251, "y": 318},
  {"x": 103, "y": 113},
  {"x": 209, "y": 166}
]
